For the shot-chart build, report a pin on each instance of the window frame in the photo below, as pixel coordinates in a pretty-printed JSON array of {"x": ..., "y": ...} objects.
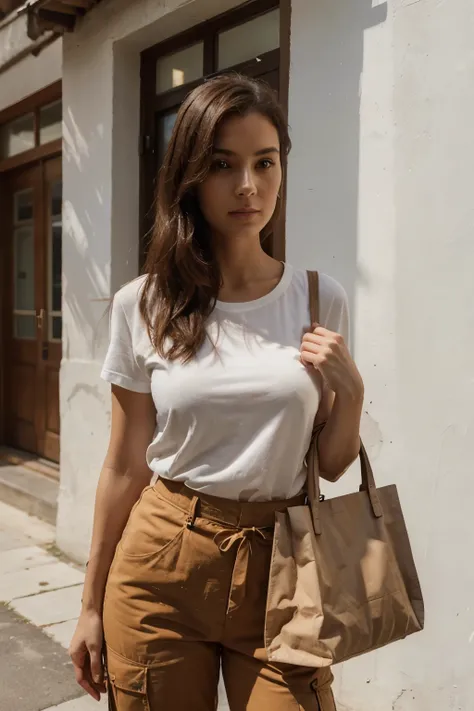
[
  {"x": 152, "y": 104},
  {"x": 32, "y": 104}
]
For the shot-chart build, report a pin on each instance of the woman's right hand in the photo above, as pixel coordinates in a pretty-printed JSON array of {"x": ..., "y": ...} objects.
[{"x": 85, "y": 651}]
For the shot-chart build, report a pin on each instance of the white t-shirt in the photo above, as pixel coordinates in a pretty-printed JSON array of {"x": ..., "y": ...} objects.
[{"x": 236, "y": 423}]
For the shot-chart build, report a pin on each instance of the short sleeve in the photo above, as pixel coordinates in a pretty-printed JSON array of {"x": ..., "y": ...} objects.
[
  {"x": 334, "y": 307},
  {"x": 120, "y": 366}
]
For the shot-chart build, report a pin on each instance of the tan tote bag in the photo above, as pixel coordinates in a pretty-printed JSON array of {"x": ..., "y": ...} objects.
[{"x": 342, "y": 578}]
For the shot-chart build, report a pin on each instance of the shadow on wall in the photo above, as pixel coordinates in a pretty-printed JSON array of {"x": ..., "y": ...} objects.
[
  {"x": 327, "y": 53},
  {"x": 86, "y": 248}
]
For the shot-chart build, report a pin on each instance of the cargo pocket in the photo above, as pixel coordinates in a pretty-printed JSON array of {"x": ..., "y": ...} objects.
[
  {"x": 127, "y": 684},
  {"x": 322, "y": 687}
]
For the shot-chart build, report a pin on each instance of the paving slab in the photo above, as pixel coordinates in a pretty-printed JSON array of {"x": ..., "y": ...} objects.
[
  {"x": 49, "y": 608},
  {"x": 28, "y": 529},
  {"x": 12, "y": 561},
  {"x": 36, "y": 580},
  {"x": 85, "y": 703},
  {"x": 35, "y": 671},
  {"x": 29, "y": 490},
  {"x": 62, "y": 632},
  {"x": 12, "y": 541}
]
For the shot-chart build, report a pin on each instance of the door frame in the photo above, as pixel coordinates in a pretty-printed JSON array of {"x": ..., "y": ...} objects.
[
  {"x": 51, "y": 173},
  {"x": 8, "y": 168},
  {"x": 206, "y": 32}
]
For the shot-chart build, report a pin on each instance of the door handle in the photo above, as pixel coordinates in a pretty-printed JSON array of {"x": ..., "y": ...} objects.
[{"x": 40, "y": 319}]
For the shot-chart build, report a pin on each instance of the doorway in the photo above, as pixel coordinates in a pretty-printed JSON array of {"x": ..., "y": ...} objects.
[{"x": 31, "y": 295}]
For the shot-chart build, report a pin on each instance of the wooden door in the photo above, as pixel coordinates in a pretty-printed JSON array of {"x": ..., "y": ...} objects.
[{"x": 32, "y": 308}]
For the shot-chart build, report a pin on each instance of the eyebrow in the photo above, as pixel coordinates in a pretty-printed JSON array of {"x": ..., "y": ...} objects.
[{"x": 261, "y": 152}]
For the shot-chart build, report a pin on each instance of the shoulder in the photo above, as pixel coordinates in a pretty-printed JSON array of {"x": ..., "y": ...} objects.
[
  {"x": 331, "y": 292},
  {"x": 128, "y": 296},
  {"x": 333, "y": 302},
  {"x": 127, "y": 299}
]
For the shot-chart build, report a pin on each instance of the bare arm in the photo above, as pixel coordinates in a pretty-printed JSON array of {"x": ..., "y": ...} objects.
[
  {"x": 339, "y": 441},
  {"x": 124, "y": 475}
]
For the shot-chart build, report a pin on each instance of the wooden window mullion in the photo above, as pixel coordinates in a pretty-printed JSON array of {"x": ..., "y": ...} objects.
[
  {"x": 37, "y": 126},
  {"x": 210, "y": 54}
]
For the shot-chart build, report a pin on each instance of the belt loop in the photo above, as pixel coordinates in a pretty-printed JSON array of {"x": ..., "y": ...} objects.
[{"x": 192, "y": 513}]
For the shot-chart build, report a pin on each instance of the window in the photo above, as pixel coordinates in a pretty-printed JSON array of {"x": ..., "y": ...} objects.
[
  {"x": 180, "y": 68},
  {"x": 249, "y": 40},
  {"x": 55, "y": 261},
  {"x": 17, "y": 136},
  {"x": 31, "y": 129},
  {"x": 24, "y": 314},
  {"x": 50, "y": 122}
]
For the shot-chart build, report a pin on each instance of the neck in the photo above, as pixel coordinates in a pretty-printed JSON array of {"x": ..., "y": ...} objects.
[{"x": 242, "y": 261}]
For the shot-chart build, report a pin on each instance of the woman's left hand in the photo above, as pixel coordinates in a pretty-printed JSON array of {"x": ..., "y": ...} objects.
[{"x": 327, "y": 352}]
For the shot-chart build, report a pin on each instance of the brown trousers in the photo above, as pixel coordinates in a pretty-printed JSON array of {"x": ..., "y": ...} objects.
[{"x": 186, "y": 593}]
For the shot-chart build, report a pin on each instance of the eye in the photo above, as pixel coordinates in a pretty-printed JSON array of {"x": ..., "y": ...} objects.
[
  {"x": 220, "y": 164},
  {"x": 266, "y": 163}
]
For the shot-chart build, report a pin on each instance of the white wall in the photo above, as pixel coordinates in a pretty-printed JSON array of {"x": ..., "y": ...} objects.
[
  {"x": 101, "y": 104},
  {"x": 383, "y": 93},
  {"x": 30, "y": 75}
]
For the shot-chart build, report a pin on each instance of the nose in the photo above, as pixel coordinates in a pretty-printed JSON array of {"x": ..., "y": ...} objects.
[{"x": 246, "y": 184}]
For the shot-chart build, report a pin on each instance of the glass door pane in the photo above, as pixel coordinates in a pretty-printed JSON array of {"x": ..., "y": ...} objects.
[
  {"x": 50, "y": 120},
  {"x": 55, "y": 262},
  {"x": 24, "y": 314},
  {"x": 180, "y": 68},
  {"x": 17, "y": 136},
  {"x": 165, "y": 124},
  {"x": 249, "y": 40}
]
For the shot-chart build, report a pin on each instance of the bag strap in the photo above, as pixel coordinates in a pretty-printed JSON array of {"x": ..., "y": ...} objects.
[
  {"x": 313, "y": 290},
  {"x": 313, "y": 484}
]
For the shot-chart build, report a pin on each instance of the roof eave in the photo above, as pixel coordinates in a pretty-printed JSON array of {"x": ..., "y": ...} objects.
[{"x": 35, "y": 25}]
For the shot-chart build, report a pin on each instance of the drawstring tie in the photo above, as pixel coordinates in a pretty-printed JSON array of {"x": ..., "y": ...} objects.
[{"x": 242, "y": 536}]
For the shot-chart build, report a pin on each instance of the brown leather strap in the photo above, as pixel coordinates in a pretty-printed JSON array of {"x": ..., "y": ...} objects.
[
  {"x": 313, "y": 484},
  {"x": 313, "y": 284}
]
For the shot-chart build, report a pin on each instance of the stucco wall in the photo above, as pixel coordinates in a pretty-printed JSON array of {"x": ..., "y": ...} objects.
[
  {"x": 383, "y": 94},
  {"x": 30, "y": 75}
]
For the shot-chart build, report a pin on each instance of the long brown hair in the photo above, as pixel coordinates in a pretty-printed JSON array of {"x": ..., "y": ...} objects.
[{"x": 183, "y": 277}]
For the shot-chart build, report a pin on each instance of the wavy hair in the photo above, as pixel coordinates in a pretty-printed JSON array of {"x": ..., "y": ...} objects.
[{"x": 182, "y": 275}]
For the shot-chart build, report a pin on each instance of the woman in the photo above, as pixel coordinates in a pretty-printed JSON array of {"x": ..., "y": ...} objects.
[{"x": 216, "y": 382}]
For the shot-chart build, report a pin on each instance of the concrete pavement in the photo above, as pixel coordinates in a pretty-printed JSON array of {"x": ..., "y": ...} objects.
[{"x": 39, "y": 603}]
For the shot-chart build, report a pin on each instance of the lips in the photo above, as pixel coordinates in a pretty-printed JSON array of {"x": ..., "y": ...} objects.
[{"x": 244, "y": 211}]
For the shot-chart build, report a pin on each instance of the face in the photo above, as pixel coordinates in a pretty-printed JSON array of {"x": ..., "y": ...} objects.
[{"x": 239, "y": 195}]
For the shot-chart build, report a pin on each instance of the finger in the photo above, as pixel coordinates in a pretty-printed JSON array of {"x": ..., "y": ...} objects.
[
  {"x": 85, "y": 682},
  {"x": 91, "y": 690},
  {"x": 321, "y": 349},
  {"x": 309, "y": 358},
  {"x": 96, "y": 667},
  {"x": 325, "y": 333},
  {"x": 318, "y": 327},
  {"x": 78, "y": 659},
  {"x": 314, "y": 338},
  {"x": 95, "y": 674}
]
